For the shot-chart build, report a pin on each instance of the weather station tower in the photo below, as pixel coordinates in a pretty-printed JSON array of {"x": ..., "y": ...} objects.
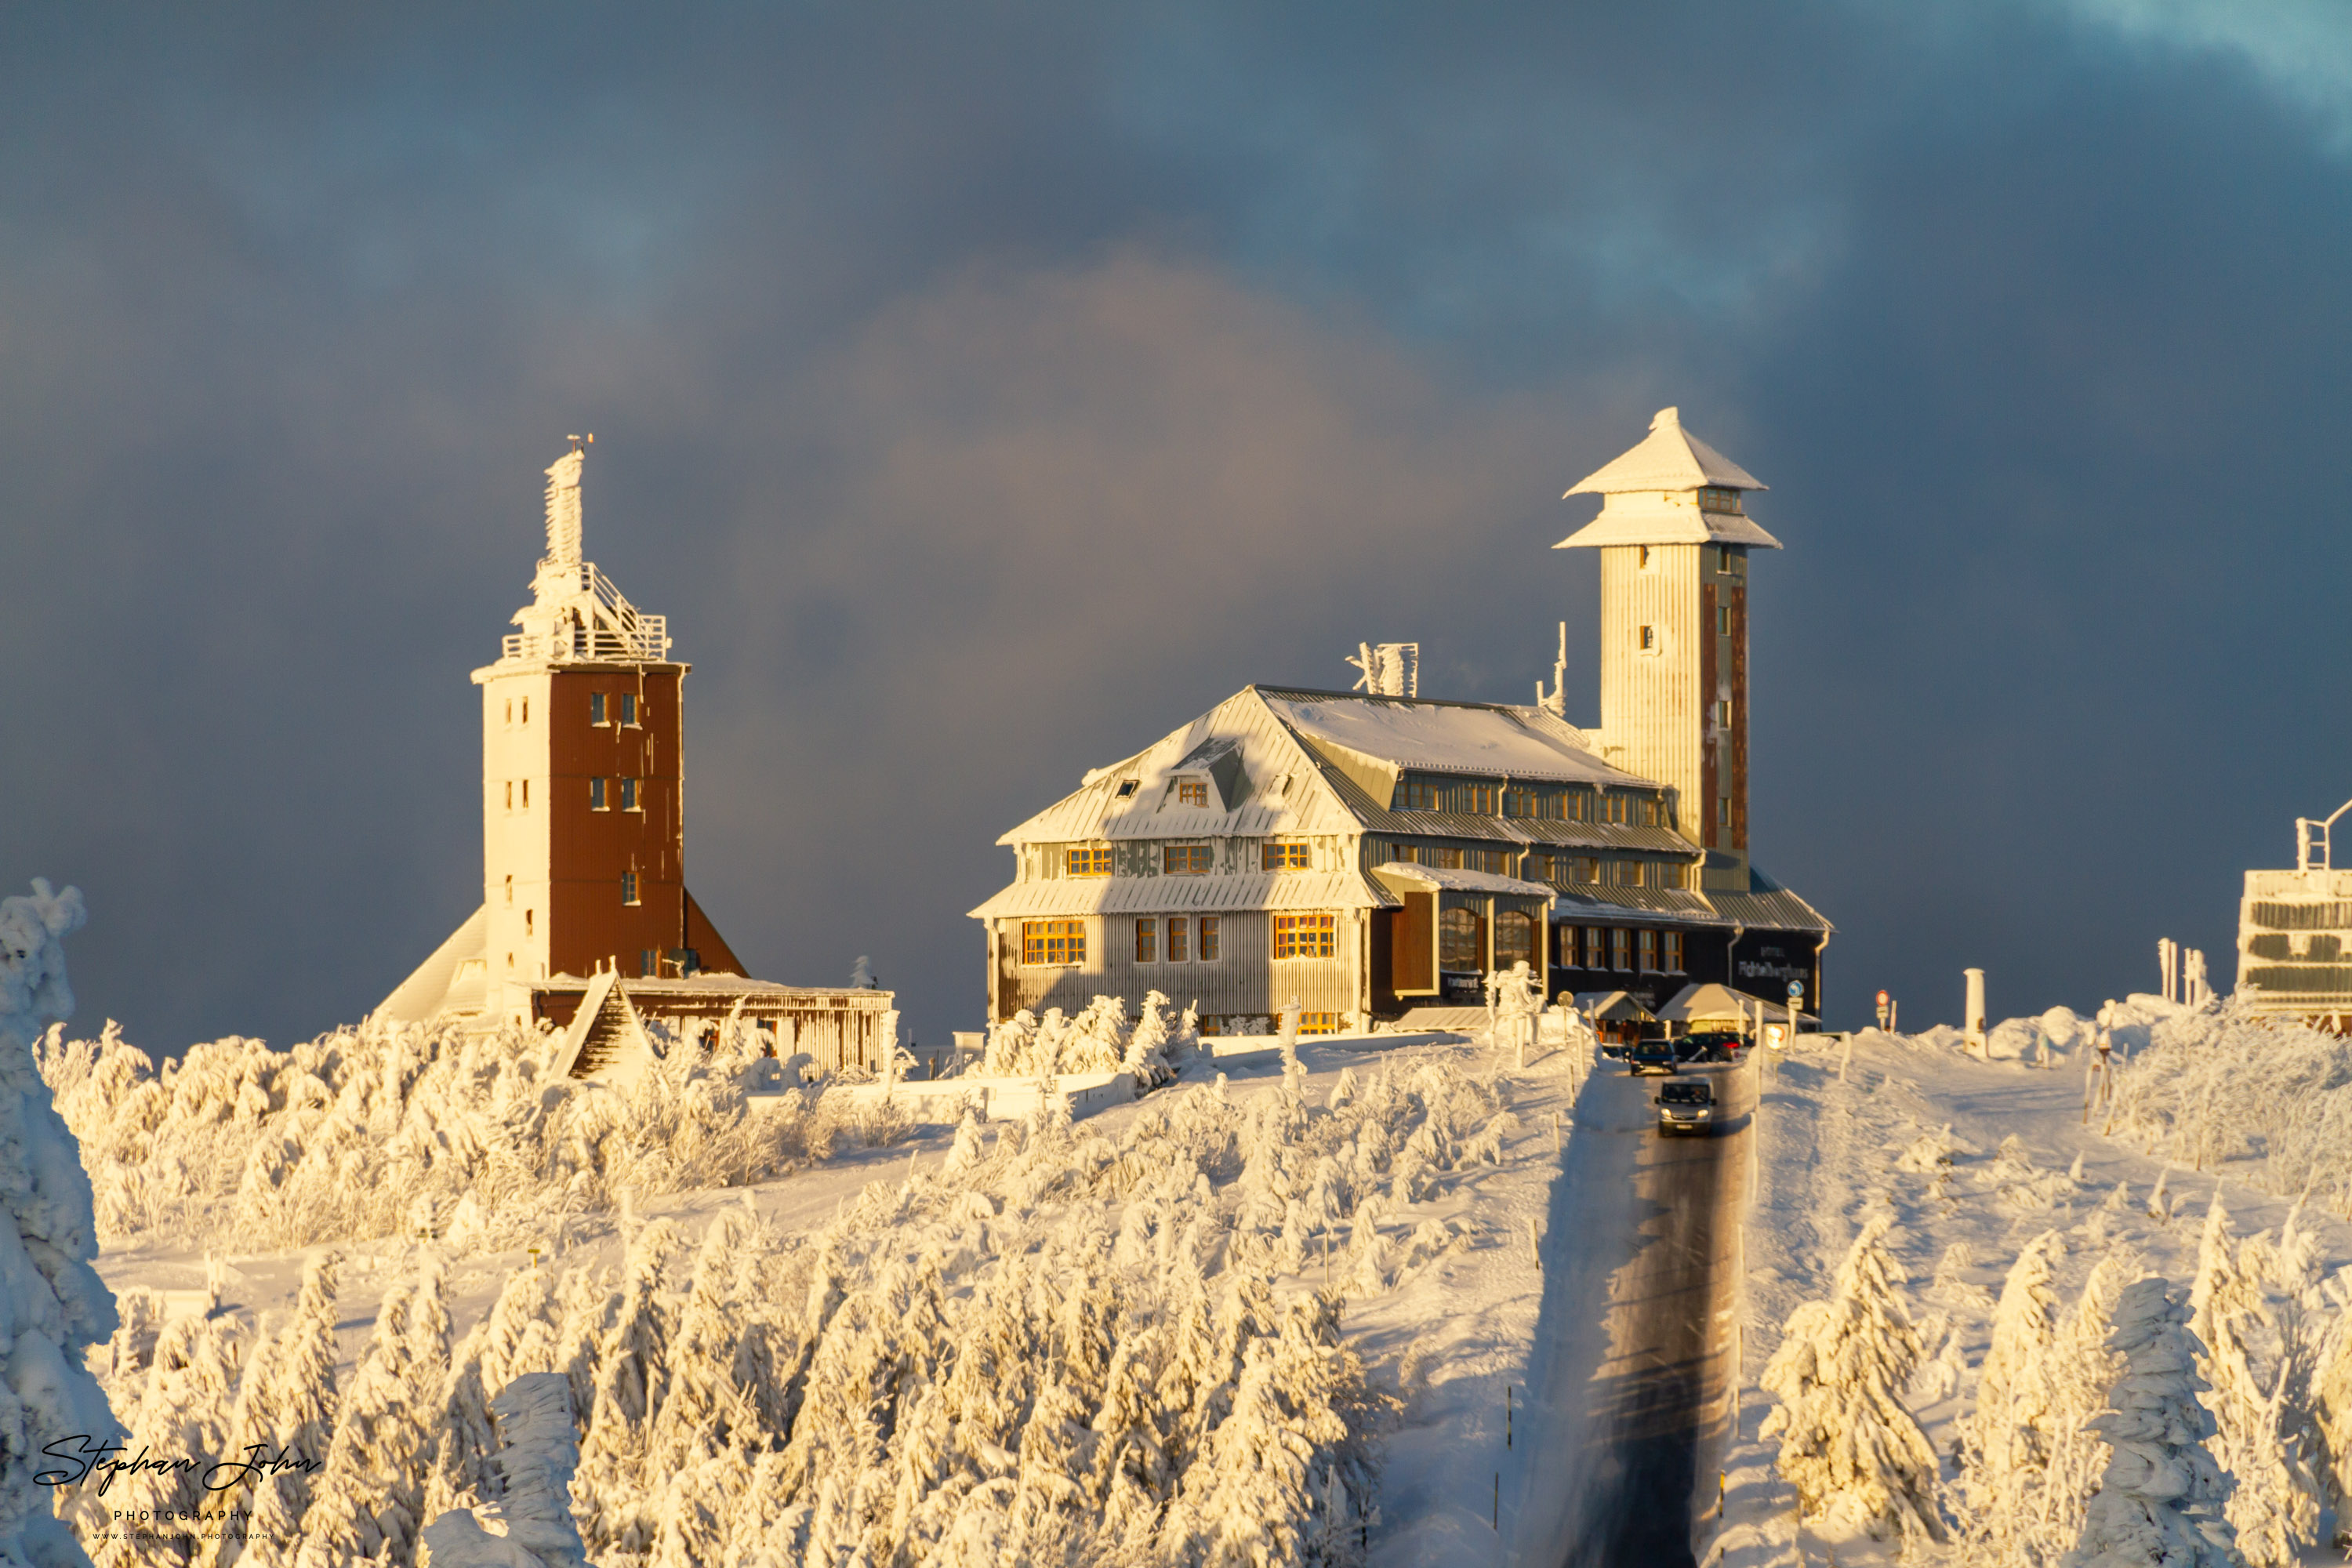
[
  {"x": 583, "y": 800},
  {"x": 1675, "y": 537}
]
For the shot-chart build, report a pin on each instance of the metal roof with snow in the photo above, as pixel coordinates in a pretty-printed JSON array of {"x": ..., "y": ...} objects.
[
  {"x": 1669, "y": 458},
  {"x": 1477, "y": 739},
  {"x": 1670, "y": 489}
]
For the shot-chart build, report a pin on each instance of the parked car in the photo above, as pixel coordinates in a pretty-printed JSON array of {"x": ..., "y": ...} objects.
[
  {"x": 1652, "y": 1053},
  {"x": 1685, "y": 1105},
  {"x": 1710, "y": 1046}
]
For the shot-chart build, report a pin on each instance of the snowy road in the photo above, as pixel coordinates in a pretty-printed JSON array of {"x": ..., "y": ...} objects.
[{"x": 1630, "y": 1385}]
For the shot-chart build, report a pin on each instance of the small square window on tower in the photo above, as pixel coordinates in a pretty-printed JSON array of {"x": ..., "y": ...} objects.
[
  {"x": 1723, "y": 812},
  {"x": 1723, "y": 620},
  {"x": 526, "y": 922},
  {"x": 1649, "y": 640},
  {"x": 628, "y": 887},
  {"x": 595, "y": 707},
  {"x": 510, "y": 795},
  {"x": 629, "y": 801},
  {"x": 628, "y": 710},
  {"x": 510, "y": 893},
  {"x": 596, "y": 796}
]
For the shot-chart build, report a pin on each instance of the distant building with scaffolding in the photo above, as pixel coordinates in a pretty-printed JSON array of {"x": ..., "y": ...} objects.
[{"x": 2295, "y": 933}]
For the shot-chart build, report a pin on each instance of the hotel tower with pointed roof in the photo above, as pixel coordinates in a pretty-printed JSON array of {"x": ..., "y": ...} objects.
[{"x": 1373, "y": 852}]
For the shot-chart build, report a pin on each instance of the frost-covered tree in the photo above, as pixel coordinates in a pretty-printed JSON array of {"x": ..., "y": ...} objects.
[
  {"x": 632, "y": 1381},
  {"x": 56, "y": 1307},
  {"x": 2274, "y": 1506},
  {"x": 2007, "y": 1440},
  {"x": 2162, "y": 1500},
  {"x": 296, "y": 1408},
  {"x": 536, "y": 1458},
  {"x": 368, "y": 1497},
  {"x": 1853, "y": 1451}
]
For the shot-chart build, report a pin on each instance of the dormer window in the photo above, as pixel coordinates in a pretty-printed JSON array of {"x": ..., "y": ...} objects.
[
  {"x": 1718, "y": 497},
  {"x": 1127, "y": 787},
  {"x": 1191, "y": 792}
]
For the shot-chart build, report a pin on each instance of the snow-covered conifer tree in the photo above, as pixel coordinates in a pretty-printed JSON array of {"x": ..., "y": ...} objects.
[
  {"x": 632, "y": 1380},
  {"x": 2006, "y": 1442},
  {"x": 300, "y": 1407},
  {"x": 57, "y": 1306},
  {"x": 367, "y": 1500},
  {"x": 536, "y": 1458},
  {"x": 2162, "y": 1500},
  {"x": 2274, "y": 1506},
  {"x": 1847, "y": 1443}
]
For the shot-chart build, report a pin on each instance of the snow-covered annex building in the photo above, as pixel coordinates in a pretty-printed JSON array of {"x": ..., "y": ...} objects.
[{"x": 1370, "y": 851}]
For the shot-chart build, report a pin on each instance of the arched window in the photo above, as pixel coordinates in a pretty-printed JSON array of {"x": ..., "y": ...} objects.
[
  {"x": 1458, "y": 940},
  {"x": 1515, "y": 940}
]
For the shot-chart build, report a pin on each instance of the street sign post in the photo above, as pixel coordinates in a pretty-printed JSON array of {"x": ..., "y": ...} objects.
[{"x": 1883, "y": 1000}]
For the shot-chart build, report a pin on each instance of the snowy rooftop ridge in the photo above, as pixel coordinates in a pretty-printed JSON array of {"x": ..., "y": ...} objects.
[
  {"x": 1669, "y": 458},
  {"x": 1436, "y": 735}
]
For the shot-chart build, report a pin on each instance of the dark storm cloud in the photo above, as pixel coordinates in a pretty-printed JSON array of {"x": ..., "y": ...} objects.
[{"x": 982, "y": 396}]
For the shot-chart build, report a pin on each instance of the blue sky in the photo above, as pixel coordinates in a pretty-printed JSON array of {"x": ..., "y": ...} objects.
[{"x": 985, "y": 393}]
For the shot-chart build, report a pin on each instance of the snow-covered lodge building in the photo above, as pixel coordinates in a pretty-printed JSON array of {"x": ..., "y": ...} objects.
[
  {"x": 1373, "y": 850},
  {"x": 583, "y": 829}
]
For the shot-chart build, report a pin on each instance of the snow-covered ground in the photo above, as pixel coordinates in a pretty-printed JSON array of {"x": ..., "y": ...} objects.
[
  {"x": 1408, "y": 1183},
  {"x": 1971, "y": 1162}
]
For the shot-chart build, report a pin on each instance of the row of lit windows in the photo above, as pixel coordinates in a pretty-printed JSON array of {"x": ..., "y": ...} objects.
[
  {"x": 1187, "y": 859},
  {"x": 1198, "y": 938},
  {"x": 1591, "y": 870},
  {"x": 1608, "y": 947},
  {"x": 1451, "y": 857},
  {"x": 1181, "y": 929},
  {"x": 1474, "y": 798}
]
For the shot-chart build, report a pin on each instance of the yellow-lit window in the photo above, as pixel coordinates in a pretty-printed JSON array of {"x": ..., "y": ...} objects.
[
  {"x": 1318, "y": 1023},
  {"x": 1448, "y": 859},
  {"x": 1191, "y": 792},
  {"x": 1584, "y": 868},
  {"x": 1620, "y": 949},
  {"x": 1052, "y": 941},
  {"x": 1418, "y": 794},
  {"x": 1580, "y": 807},
  {"x": 1285, "y": 854},
  {"x": 1674, "y": 952},
  {"x": 1612, "y": 806},
  {"x": 1088, "y": 861},
  {"x": 1179, "y": 939},
  {"x": 1208, "y": 939},
  {"x": 1646, "y": 943},
  {"x": 1306, "y": 936},
  {"x": 1146, "y": 940},
  {"x": 1654, "y": 812},
  {"x": 1185, "y": 859}
]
